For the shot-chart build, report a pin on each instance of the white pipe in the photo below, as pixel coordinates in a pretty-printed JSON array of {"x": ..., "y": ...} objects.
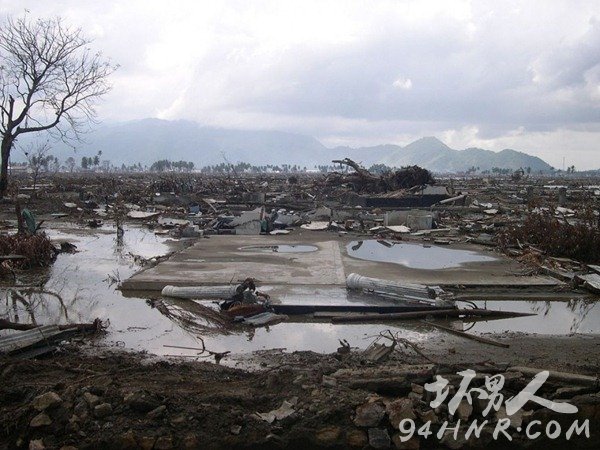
[
  {"x": 409, "y": 291},
  {"x": 200, "y": 292}
]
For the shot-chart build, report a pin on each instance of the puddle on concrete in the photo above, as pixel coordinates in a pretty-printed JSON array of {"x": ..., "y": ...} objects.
[
  {"x": 415, "y": 256},
  {"x": 284, "y": 248},
  {"x": 82, "y": 280}
]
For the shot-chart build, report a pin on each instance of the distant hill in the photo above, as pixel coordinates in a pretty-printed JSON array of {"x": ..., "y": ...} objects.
[
  {"x": 150, "y": 140},
  {"x": 433, "y": 154}
]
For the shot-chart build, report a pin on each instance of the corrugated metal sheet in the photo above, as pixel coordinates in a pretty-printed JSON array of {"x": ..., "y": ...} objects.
[{"x": 22, "y": 339}]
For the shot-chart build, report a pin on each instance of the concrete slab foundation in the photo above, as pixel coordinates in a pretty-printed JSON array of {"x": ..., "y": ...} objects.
[{"x": 220, "y": 260}]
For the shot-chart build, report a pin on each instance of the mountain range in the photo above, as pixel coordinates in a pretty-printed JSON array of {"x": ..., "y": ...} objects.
[{"x": 149, "y": 140}]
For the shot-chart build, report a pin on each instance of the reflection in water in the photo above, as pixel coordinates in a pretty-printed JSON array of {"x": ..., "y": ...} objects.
[
  {"x": 193, "y": 317},
  {"x": 416, "y": 256},
  {"x": 561, "y": 318},
  {"x": 80, "y": 279}
]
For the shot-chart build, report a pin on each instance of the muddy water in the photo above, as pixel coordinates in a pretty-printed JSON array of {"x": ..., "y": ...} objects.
[
  {"x": 415, "y": 256},
  {"x": 83, "y": 280}
]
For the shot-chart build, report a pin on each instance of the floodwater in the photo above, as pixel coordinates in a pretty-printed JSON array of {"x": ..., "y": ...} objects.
[
  {"x": 413, "y": 255},
  {"x": 283, "y": 248},
  {"x": 86, "y": 283}
]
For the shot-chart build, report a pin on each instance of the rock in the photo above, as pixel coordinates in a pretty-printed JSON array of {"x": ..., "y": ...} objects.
[
  {"x": 516, "y": 420},
  {"x": 45, "y": 401},
  {"x": 157, "y": 412},
  {"x": 41, "y": 420},
  {"x": 142, "y": 402},
  {"x": 91, "y": 399},
  {"x": 379, "y": 438},
  {"x": 449, "y": 441},
  {"x": 414, "y": 397},
  {"x": 36, "y": 444},
  {"x": 147, "y": 442},
  {"x": 412, "y": 444},
  {"x": 103, "y": 410},
  {"x": 128, "y": 440},
  {"x": 464, "y": 410},
  {"x": 328, "y": 435},
  {"x": 569, "y": 392},
  {"x": 527, "y": 415},
  {"x": 235, "y": 429},
  {"x": 356, "y": 438},
  {"x": 428, "y": 416},
  {"x": 369, "y": 415},
  {"x": 178, "y": 420},
  {"x": 81, "y": 410},
  {"x": 68, "y": 447},
  {"x": 417, "y": 388},
  {"x": 399, "y": 410},
  {"x": 163, "y": 443},
  {"x": 191, "y": 441},
  {"x": 329, "y": 381}
]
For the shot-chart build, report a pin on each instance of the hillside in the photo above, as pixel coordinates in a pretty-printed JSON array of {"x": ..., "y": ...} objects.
[{"x": 149, "y": 140}]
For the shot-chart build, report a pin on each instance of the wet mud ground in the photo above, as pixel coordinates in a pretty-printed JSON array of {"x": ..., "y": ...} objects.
[
  {"x": 198, "y": 404},
  {"x": 88, "y": 282}
]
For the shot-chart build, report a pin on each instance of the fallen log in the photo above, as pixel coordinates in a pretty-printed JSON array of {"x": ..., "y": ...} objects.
[
  {"x": 573, "y": 378},
  {"x": 471, "y": 312},
  {"x": 8, "y": 325},
  {"x": 96, "y": 325},
  {"x": 467, "y": 335}
]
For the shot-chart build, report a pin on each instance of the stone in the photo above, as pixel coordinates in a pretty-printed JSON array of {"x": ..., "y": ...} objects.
[
  {"x": 464, "y": 410},
  {"x": 128, "y": 440},
  {"x": 328, "y": 435},
  {"x": 157, "y": 412},
  {"x": 146, "y": 442},
  {"x": 449, "y": 441},
  {"x": 369, "y": 415},
  {"x": 569, "y": 392},
  {"x": 103, "y": 410},
  {"x": 81, "y": 410},
  {"x": 91, "y": 399},
  {"x": 141, "y": 402},
  {"x": 191, "y": 441},
  {"x": 412, "y": 444},
  {"x": 163, "y": 443},
  {"x": 41, "y": 420},
  {"x": 516, "y": 420},
  {"x": 178, "y": 420},
  {"x": 417, "y": 388},
  {"x": 45, "y": 401},
  {"x": 356, "y": 438},
  {"x": 36, "y": 444},
  {"x": 68, "y": 447},
  {"x": 329, "y": 381},
  {"x": 415, "y": 398},
  {"x": 399, "y": 410},
  {"x": 379, "y": 438},
  {"x": 235, "y": 429},
  {"x": 428, "y": 416}
]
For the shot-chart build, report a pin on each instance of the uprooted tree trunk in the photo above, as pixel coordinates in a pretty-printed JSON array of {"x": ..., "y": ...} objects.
[{"x": 364, "y": 181}]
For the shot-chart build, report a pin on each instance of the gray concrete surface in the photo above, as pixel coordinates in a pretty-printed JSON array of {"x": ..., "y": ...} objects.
[{"x": 219, "y": 260}]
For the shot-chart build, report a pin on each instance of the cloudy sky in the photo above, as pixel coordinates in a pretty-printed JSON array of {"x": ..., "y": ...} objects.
[{"x": 492, "y": 74}]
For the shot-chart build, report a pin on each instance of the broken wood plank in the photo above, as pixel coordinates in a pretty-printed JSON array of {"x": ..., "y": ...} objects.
[{"x": 574, "y": 378}]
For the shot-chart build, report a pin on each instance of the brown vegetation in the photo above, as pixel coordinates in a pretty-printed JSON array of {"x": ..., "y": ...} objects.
[
  {"x": 578, "y": 239},
  {"x": 36, "y": 249}
]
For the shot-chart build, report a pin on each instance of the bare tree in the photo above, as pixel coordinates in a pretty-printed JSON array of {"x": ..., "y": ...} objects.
[
  {"x": 39, "y": 160},
  {"x": 49, "y": 81},
  {"x": 70, "y": 164}
]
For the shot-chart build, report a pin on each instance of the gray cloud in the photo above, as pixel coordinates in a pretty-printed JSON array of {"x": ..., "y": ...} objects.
[{"x": 518, "y": 73}]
